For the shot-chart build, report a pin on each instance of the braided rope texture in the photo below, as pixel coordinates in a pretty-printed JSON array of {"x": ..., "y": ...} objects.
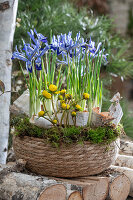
[{"x": 68, "y": 161}]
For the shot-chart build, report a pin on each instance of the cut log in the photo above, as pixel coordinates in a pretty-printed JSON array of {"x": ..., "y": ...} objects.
[
  {"x": 129, "y": 182},
  {"x": 124, "y": 161},
  {"x": 17, "y": 185},
  {"x": 88, "y": 189},
  {"x": 112, "y": 187},
  {"x": 54, "y": 192},
  {"x": 126, "y": 148},
  {"x": 75, "y": 196},
  {"x": 22, "y": 186},
  {"x": 101, "y": 184},
  {"x": 119, "y": 187}
]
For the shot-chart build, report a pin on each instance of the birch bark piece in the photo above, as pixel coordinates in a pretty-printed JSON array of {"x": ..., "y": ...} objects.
[
  {"x": 100, "y": 118},
  {"x": 41, "y": 122},
  {"x": 116, "y": 112},
  {"x": 81, "y": 118},
  {"x": 75, "y": 196},
  {"x": 22, "y": 103},
  {"x": 128, "y": 182},
  {"x": 126, "y": 148},
  {"x": 7, "y": 27},
  {"x": 115, "y": 109},
  {"x": 124, "y": 161},
  {"x": 54, "y": 192}
]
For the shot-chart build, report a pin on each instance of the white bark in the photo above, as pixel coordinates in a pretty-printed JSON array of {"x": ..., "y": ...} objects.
[
  {"x": 7, "y": 27},
  {"x": 126, "y": 148},
  {"x": 124, "y": 161}
]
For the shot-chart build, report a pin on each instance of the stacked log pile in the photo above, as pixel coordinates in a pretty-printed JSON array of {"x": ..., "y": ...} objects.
[
  {"x": 116, "y": 183},
  {"x": 16, "y": 185}
]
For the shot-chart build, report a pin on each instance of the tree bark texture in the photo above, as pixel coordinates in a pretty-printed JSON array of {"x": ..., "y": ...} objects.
[{"x": 8, "y": 10}]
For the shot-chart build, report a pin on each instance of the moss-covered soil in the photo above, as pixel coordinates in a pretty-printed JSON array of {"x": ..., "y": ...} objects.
[{"x": 61, "y": 135}]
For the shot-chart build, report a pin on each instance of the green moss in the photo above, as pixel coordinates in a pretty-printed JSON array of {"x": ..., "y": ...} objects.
[
  {"x": 24, "y": 127},
  {"x": 57, "y": 136}
]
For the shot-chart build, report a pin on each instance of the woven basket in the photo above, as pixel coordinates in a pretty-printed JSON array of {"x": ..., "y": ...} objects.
[{"x": 72, "y": 161}]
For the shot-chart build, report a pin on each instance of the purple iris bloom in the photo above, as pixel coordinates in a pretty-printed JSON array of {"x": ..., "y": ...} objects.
[
  {"x": 32, "y": 52},
  {"x": 40, "y": 37},
  {"x": 38, "y": 63}
]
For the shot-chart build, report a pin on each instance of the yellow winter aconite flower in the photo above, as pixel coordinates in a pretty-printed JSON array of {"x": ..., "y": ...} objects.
[
  {"x": 46, "y": 94},
  {"x": 86, "y": 96},
  {"x": 54, "y": 121},
  {"x": 68, "y": 96},
  {"x": 58, "y": 92},
  {"x": 53, "y": 88},
  {"x": 78, "y": 107},
  {"x": 63, "y": 106},
  {"x": 62, "y": 101},
  {"x": 41, "y": 114},
  {"x": 73, "y": 114},
  {"x": 60, "y": 97},
  {"x": 67, "y": 106},
  {"x": 63, "y": 91}
]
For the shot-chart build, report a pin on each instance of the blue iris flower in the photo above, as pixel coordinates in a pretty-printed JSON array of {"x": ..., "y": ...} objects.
[
  {"x": 38, "y": 63},
  {"x": 26, "y": 57},
  {"x": 66, "y": 48},
  {"x": 40, "y": 37},
  {"x": 64, "y": 45},
  {"x": 32, "y": 52},
  {"x": 38, "y": 56}
]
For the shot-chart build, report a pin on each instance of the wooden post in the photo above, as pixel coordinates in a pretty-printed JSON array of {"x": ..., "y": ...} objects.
[{"x": 8, "y": 10}]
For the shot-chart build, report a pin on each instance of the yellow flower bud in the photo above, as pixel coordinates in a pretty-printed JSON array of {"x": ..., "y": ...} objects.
[
  {"x": 46, "y": 94},
  {"x": 60, "y": 97},
  {"x": 54, "y": 121},
  {"x": 68, "y": 96},
  {"x": 58, "y": 92},
  {"x": 78, "y": 107},
  {"x": 53, "y": 88},
  {"x": 73, "y": 114},
  {"x": 63, "y": 91},
  {"x": 67, "y": 106},
  {"x": 86, "y": 96},
  {"x": 41, "y": 114},
  {"x": 62, "y": 101},
  {"x": 63, "y": 106}
]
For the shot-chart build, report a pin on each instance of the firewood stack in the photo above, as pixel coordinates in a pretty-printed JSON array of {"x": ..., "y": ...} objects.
[{"x": 116, "y": 183}]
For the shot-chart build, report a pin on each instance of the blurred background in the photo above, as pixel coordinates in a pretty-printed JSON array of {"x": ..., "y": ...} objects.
[{"x": 108, "y": 21}]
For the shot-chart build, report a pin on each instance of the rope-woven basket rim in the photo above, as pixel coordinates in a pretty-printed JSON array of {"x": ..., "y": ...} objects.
[{"x": 74, "y": 160}]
